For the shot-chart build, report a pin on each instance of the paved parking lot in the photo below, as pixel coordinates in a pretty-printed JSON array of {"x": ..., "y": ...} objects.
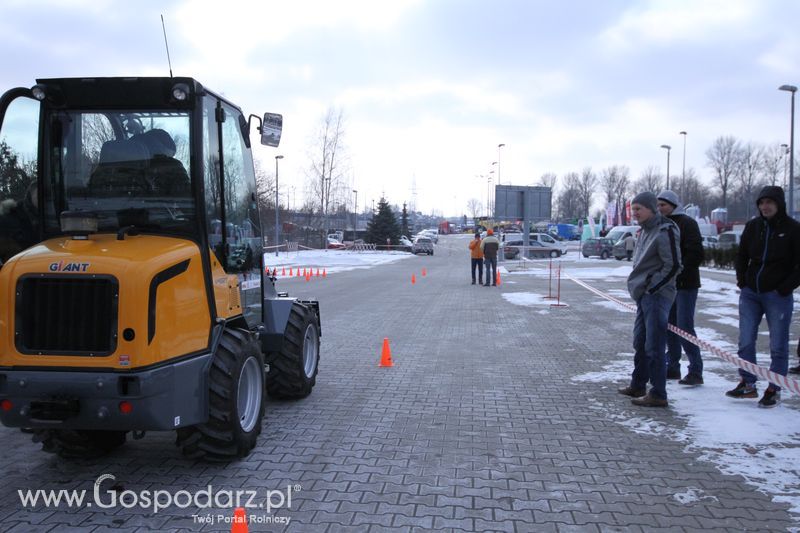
[{"x": 479, "y": 426}]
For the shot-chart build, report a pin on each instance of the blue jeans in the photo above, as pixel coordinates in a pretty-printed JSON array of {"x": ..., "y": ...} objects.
[
  {"x": 682, "y": 316},
  {"x": 778, "y": 310},
  {"x": 491, "y": 265},
  {"x": 649, "y": 342},
  {"x": 477, "y": 263}
]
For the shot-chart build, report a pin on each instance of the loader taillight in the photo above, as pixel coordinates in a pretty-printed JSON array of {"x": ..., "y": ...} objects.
[
  {"x": 6, "y": 405},
  {"x": 124, "y": 407}
]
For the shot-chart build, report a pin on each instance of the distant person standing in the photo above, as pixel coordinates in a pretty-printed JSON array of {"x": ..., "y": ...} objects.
[
  {"x": 796, "y": 369},
  {"x": 476, "y": 253},
  {"x": 489, "y": 246},
  {"x": 681, "y": 315},
  {"x": 630, "y": 245},
  {"x": 767, "y": 272},
  {"x": 651, "y": 284}
]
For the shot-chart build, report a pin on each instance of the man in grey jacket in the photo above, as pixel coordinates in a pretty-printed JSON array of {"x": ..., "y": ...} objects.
[{"x": 651, "y": 284}]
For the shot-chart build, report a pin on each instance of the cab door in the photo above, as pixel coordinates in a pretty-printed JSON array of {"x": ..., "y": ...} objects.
[{"x": 231, "y": 203}]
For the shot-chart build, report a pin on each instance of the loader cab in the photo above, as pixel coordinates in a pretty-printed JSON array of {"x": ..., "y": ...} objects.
[{"x": 159, "y": 156}]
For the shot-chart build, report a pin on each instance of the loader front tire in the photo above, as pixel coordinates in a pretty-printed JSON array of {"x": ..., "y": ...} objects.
[
  {"x": 235, "y": 402},
  {"x": 79, "y": 444},
  {"x": 293, "y": 371}
]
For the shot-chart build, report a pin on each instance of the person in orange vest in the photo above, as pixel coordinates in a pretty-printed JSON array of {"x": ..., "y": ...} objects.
[{"x": 476, "y": 253}]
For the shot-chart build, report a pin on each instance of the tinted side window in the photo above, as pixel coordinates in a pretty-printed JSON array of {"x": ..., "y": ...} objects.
[{"x": 18, "y": 187}]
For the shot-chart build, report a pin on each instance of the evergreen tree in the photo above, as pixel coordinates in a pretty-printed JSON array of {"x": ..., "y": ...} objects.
[
  {"x": 14, "y": 179},
  {"x": 404, "y": 221},
  {"x": 383, "y": 226}
]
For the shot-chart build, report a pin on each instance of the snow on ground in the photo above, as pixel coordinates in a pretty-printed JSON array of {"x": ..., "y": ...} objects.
[
  {"x": 761, "y": 445},
  {"x": 332, "y": 260},
  {"x": 528, "y": 299}
]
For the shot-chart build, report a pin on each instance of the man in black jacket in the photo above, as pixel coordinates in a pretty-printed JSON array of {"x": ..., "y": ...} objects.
[
  {"x": 681, "y": 315},
  {"x": 767, "y": 272}
]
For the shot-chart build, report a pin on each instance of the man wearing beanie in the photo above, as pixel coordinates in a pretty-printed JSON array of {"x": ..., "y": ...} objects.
[
  {"x": 489, "y": 246},
  {"x": 651, "y": 284},
  {"x": 687, "y": 283},
  {"x": 767, "y": 272}
]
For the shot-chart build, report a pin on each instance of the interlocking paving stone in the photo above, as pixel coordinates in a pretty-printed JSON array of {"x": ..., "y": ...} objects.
[{"x": 477, "y": 427}]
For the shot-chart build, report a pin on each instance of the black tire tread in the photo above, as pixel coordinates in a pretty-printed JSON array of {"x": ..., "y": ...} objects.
[
  {"x": 286, "y": 377},
  {"x": 218, "y": 439}
]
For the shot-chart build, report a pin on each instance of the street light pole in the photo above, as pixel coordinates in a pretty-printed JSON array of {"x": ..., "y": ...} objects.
[
  {"x": 277, "y": 209},
  {"x": 792, "y": 89},
  {"x": 355, "y": 214},
  {"x": 667, "y": 148},
  {"x": 498, "y": 161},
  {"x": 683, "y": 173},
  {"x": 783, "y": 156}
]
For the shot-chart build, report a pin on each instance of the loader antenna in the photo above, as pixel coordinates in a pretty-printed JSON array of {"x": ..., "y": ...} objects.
[{"x": 166, "y": 44}]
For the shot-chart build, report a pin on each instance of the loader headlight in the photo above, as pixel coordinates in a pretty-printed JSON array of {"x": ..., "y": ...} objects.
[
  {"x": 79, "y": 224},
  {"x": 180, "y": 91},
  {"x": 38, "y": 92}
]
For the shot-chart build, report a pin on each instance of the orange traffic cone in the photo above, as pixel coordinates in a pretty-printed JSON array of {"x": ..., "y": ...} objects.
[
  {"x": 317, "y": 271},
  {"x": 413, "y": 279},
  {"x": 239, "y": 521},
  {"x": 424, "y": 272},
  {"x": 298, "y": 272},
  {"x": 386, "y": 354},
  {"x": 324, "y": 272},
  {"x": 290, "y": 271},
  {"x": 283, "y": 271},
  {"x": 304, "y": 271},
  {"x": 497, "y": 278}
]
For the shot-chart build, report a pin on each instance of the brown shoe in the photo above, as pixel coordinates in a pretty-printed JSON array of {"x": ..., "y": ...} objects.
[
  {"x": 650, "y": 401},
  {"x": 633, "y": 393}
]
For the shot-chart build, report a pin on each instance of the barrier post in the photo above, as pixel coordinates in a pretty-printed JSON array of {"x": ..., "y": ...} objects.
[
  {"x": 550, "y": 282},
  {"x": 559, "y": 304}
]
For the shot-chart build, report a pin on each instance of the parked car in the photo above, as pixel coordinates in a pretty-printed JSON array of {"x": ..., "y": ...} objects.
[
  {"x": 602, "y": 247},
  {"x": 618, "y": 251},
  {"x": 405, "y": 244},
  {"x": 432, "y": 234},
  {"x": 729, "y": 239},
  {"x": 422, "y": 245},
  {"x": 334, "y": 244},
  {"x": 549, "y": 242},
  {"x": 618, "y": 233},
  {"x": 709, "y": 242},
  {"x": 513, "y": 246}
]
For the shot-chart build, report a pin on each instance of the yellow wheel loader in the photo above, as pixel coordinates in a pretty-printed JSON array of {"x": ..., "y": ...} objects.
[{"x": 133, "y": 291}]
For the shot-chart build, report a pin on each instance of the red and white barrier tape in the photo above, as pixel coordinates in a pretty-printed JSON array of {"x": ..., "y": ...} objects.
[{"x": 764, "y": 373}]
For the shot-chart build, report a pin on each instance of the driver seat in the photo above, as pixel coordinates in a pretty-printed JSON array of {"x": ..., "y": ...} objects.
[{"x": 121, "y": 169}]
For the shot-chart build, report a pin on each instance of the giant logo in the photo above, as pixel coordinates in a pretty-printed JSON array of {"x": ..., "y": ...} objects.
[{"x": 63, "y": 266}]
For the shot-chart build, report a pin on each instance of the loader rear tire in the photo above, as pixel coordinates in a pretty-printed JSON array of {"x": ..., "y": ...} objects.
[
  {"x": 235, "y": 402},
  {"x": 293, "y": 371},
  {"x": 79, "y": 444}
]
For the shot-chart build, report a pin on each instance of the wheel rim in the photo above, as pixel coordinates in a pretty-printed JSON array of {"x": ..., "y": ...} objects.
[
  {"x": 250, "y": 390},
  {"x": 310, "y": 350}
]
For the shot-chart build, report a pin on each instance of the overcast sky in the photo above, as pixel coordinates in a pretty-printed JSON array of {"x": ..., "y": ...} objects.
[{"x": 430, "y": 88}]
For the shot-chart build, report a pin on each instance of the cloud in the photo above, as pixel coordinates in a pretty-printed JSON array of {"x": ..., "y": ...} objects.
[
  {"x": 783, "y": 56},
  {"x": 664, "y": 22}
]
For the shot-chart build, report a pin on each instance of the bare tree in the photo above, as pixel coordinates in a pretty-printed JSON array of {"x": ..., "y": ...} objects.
[
  {"x": 773, "y": 164},
  {"x": 548, "y": 179},
  {"x": 650, "y": 180},
  {"x": 748, "y": 173},
  {"x": 614, "y": 181},
  {"x": 327, "y": 170},
  {"x": 474, "y": 207},
  {"x": 722, "y": 158},
  {"x": 587, "y": 184},
  {"x": 568, "y": 197}
]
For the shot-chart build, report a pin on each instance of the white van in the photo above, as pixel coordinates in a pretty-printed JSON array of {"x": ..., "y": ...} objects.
[
  {"x": 729, "y": 239},
  {"x": 618, "y": 233}
]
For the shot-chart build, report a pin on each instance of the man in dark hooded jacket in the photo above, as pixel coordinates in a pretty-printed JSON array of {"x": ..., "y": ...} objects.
[
  {"x": 688, "y": 282},
  {"x": 767, "y": 272}
]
